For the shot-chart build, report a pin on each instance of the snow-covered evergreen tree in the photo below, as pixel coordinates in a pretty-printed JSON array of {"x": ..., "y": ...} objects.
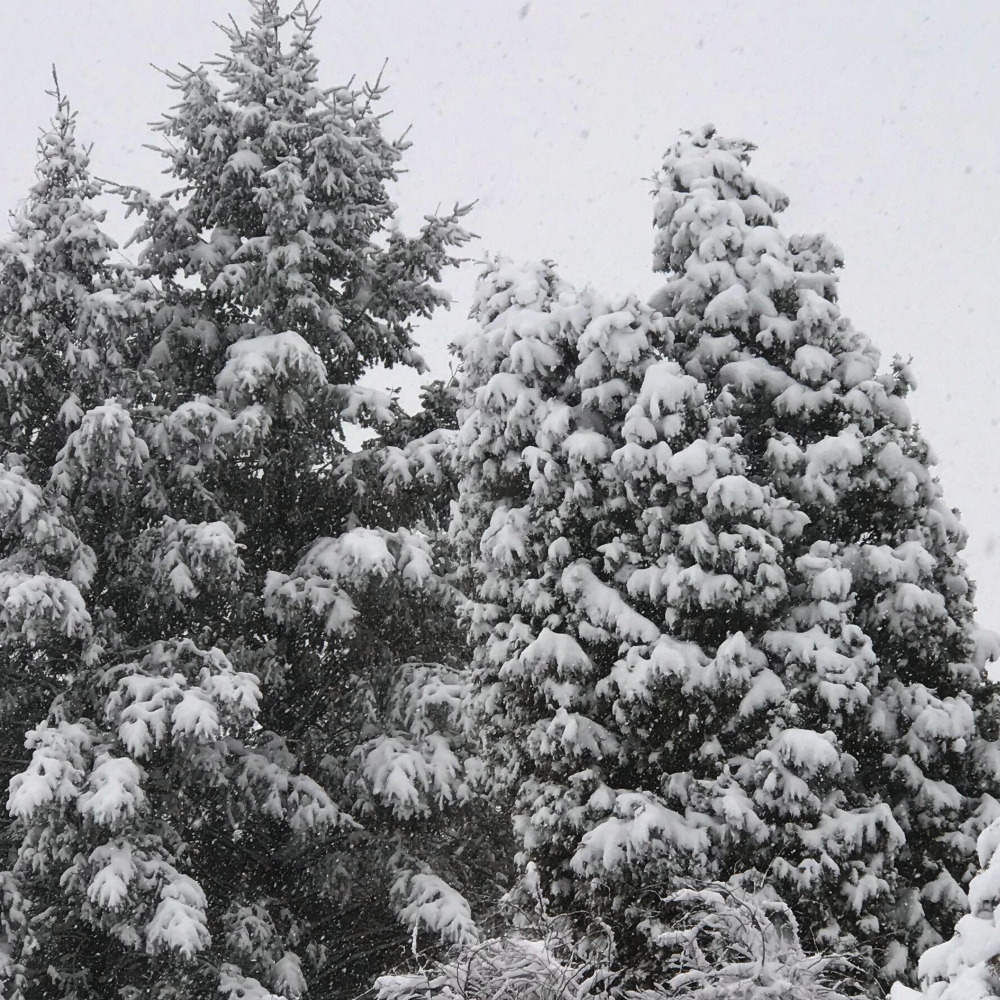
[
  {"x": 66, "y": 315},
  {"x": 247, "y": 765},
  {"x": 721, "y": 619}
]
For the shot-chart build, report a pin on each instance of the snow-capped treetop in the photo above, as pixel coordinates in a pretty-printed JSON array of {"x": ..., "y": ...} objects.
[
  {"x": 281, "y": 216},
  {"x": 65, "y": 305}
]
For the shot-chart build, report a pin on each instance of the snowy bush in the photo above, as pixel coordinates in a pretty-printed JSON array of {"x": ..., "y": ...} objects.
[
  {"x": 725, "y": 941},
  {"x": 719, "y": 942},
  {"x": 499, "y": 967}
]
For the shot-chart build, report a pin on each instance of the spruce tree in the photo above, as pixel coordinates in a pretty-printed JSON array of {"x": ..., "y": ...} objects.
[
  {"x": 66, "y": 309},
  {"x": 248, "y": 768},
  {"x": 722, "y": 625},
  {"x": 40, "y": 306}
]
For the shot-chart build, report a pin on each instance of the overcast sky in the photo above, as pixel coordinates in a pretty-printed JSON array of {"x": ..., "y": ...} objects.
[{"x": 880, "y": 121}]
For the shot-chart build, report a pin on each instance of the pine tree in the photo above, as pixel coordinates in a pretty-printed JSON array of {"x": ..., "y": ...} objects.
[
  {"x": 723, "y": 628},
  {"x": 248, "y": 768},
  {"x": 66, "y": 309}
]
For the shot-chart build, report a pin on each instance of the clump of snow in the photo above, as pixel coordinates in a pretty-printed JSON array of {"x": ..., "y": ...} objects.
[
  {"x": 258, "y": 365},
  {"x": 425, "y": 900}
]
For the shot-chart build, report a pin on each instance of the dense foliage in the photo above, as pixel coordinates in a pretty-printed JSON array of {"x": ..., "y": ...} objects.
[
  {"x": 721, "y": 624},
  {"x": 228, "y": 646},
  {"x": 670, "y": 583}
]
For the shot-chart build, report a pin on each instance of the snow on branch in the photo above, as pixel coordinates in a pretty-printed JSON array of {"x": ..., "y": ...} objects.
[
  {"x": 333, "y": 566},
  {"x": 257, "y": 362},
  {"x": 425, "y": 900}
]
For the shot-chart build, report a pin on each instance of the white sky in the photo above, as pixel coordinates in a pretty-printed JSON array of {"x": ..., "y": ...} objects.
[{"x": 880, "y": 120}]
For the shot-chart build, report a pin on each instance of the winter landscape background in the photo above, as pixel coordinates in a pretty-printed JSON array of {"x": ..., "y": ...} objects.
[{"x": 879, "y": 121}]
